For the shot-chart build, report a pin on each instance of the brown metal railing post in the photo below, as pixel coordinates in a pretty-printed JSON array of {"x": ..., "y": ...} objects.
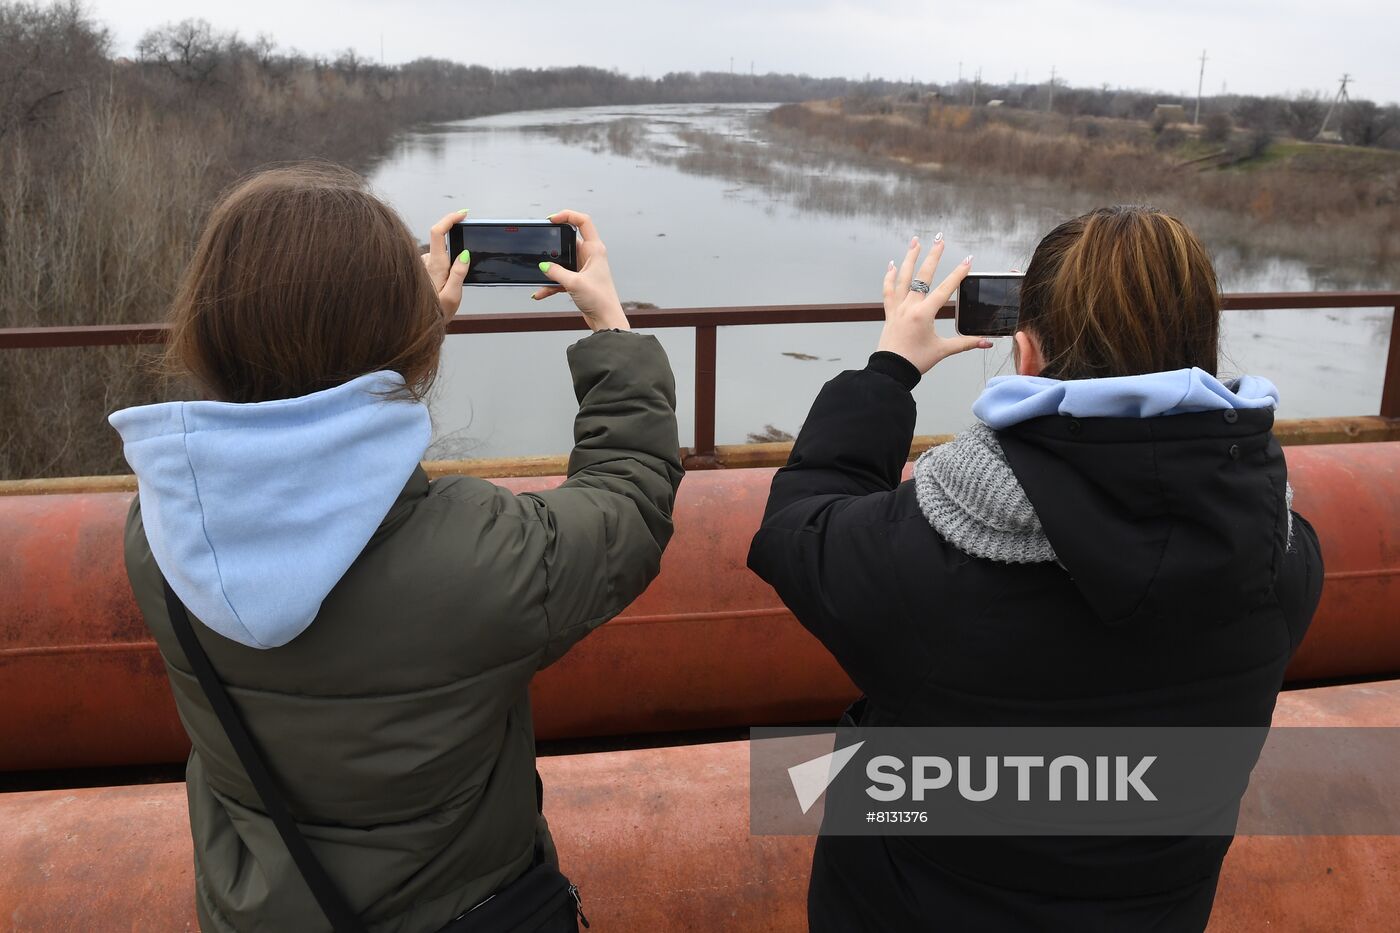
[
  {"x": 706, "y": 349},
  {"x": 1390, "y": 387}
]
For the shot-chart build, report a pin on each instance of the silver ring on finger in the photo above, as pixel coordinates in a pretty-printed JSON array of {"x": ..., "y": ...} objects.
[{"x": 920, "y": 286}]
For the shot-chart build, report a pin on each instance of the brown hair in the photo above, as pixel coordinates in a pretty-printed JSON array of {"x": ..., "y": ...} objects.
[
  {"x": 1121, "y": 291},
  {"x": 301, "y": 281}
]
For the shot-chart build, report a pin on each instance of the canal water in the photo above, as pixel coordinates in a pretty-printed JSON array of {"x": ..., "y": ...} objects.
[{"x": 705, "y": 205}]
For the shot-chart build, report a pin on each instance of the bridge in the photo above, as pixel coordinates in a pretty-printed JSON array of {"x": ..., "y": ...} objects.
[{"x": 642, "y": 725}]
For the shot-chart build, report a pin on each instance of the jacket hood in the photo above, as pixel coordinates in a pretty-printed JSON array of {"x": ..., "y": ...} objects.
[
  {"x": 255, "y": 511},
  {"x": 1009, "y": 400},
  {"x": 1163, "y": 495}
]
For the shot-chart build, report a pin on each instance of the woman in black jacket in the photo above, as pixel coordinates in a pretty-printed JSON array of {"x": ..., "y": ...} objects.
[{"x": 1111, "y": 544}]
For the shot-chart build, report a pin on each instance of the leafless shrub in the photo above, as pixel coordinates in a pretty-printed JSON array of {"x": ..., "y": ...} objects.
[
  {"x": 1217, "y": 128},
  {"x": 101, "y": 240}
]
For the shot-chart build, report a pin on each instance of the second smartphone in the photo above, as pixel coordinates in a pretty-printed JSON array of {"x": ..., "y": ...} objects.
[
  {"x": 989, "y": 305},
  {"x": 509, "y": 252}
]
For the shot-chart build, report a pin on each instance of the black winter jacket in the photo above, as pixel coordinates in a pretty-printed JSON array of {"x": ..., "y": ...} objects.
[{"x": 1176, "y": 601}]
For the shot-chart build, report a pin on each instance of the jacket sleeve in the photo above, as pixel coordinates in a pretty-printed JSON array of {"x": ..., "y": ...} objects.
[
  {"x": 607, "y": 525},
  {"x": 825, "y": 532}
]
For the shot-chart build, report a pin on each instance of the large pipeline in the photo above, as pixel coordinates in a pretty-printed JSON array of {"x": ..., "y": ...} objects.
[
  {"x": 707, "y": 646},
  {"x": 657, "y": 839}
]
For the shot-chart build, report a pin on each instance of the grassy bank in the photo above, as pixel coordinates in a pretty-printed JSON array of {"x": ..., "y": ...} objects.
[
  {"x": 1320, "y": 203},
  {"x": 108, "y": 166}
]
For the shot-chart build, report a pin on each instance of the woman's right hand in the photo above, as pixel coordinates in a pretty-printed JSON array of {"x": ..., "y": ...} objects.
[
  {"x": 591, "y": 287},
  {"x": 909, "y": 315}
]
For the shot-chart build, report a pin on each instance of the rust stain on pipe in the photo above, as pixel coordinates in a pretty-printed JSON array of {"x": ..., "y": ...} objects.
[
  {"x": 657, "y": 839},
  {"x": 707, "y": 646}
]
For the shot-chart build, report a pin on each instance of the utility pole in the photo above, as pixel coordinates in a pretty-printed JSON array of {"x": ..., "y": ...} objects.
[
  {"x": 1051, "y": 107},
  {"x": 976, "y": 86},
  {"x": 381, "y": 49},
  {"x": 1341, "y": 96},
  {"x": 731, "y": 64},
  {"x": 960, "y": 72},
  {"x": 1200, "y": 83}
]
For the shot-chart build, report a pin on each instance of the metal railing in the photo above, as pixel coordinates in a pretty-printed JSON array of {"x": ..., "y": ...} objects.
[{"x": 706, "y": 322}]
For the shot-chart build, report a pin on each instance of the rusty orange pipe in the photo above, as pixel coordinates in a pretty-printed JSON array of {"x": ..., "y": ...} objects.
[
  {"x": 708, "y": 645},
  {"x": 658, "y": 839}
]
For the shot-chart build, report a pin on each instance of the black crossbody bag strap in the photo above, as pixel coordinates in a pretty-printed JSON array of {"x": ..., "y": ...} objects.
[{"x": 333, "y": 904}]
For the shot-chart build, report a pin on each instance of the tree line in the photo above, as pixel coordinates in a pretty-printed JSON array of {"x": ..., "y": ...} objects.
[{"x": 1359, "y": 122}]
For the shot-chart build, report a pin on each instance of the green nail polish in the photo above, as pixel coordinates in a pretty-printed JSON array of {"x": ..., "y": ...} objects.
[
  {"x": 544, "y": 267},
  {"x": 464, "y": 210},
  {"x": 464, "y": 256}
]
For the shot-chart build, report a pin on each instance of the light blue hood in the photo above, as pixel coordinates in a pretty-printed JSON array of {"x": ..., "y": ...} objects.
[
  {"x": 1009, "y": 400},
  {"x": 254, "y": 512}
]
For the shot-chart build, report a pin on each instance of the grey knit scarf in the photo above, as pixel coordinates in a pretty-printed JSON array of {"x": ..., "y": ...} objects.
[
  {"x": 971, "y": 497},
  {"x": 969, "y": 494}
]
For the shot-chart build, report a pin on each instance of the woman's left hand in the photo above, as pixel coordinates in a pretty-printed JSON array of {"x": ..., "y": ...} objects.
[
  {"x": 446, "y": 273},
  {"x": 909, "y": 315}
]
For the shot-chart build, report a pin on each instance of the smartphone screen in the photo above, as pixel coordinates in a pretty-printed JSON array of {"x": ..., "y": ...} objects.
[
  {"x": 509, "y": 252},
  {"x": 989, "y": 305}
]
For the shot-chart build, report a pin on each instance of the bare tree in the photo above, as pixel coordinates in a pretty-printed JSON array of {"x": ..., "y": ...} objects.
[
  {"x": 1304, "y": 115},
  {"x": 1363, "y": 123},
  {"x": 46, "y": 52},
  {"x": 348, "y": 62},
  {"x": 191, "y": 50}
]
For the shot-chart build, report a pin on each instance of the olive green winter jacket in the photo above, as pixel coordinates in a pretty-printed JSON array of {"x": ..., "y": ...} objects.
[{"x": 398, "y": 722}]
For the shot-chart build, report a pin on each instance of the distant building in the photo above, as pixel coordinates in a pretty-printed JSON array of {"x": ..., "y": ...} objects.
[
  {"x": 1170, "y": 113},
  {"x": 995, "y": 103}
]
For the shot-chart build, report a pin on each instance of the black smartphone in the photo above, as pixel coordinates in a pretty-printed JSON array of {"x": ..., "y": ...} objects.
[
  {"x": 509, "y": 252},
  {"x": 989, "y": 305}
]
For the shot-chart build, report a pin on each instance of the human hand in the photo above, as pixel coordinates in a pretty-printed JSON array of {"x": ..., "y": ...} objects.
[
  {"x": 591, "y": 287},
  {"x": 909, "y": 315},
  {"x": 446, "y": 274}
]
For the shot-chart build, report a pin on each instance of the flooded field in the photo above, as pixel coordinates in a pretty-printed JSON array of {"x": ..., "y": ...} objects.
[{"x": 705, "y": 205}]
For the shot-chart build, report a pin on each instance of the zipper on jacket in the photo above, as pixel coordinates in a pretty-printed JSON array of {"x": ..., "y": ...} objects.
[{"x": 578, "y": 905}]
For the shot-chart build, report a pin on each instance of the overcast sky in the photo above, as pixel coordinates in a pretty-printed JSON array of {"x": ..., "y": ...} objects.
[{"x": 1253, "y": 46}]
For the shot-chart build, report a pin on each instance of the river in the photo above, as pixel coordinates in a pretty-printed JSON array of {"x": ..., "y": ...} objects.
[{"x": 701, "y": 205}]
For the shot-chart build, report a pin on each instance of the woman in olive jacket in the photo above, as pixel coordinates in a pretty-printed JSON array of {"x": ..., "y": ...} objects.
[
  {"x": 1110, "y": 544},
  {"x": 377, "y": 630}
]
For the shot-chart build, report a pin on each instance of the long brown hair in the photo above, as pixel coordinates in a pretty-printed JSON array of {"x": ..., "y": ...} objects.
[
  {"x": 1121, "y": 291},
  {"x": 301, "y": 281}
]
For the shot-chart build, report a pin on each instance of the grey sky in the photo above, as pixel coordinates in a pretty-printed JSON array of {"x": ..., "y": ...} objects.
[{"x": 1254, "y": 46}]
